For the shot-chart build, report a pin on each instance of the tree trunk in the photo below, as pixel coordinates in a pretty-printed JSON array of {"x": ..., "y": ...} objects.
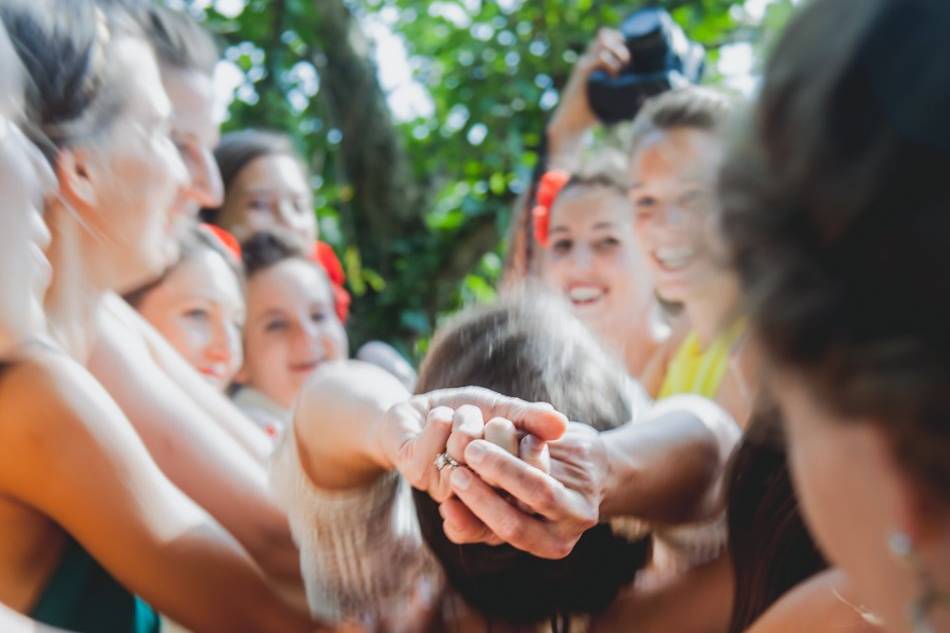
[{"x": 384, "y": 196}]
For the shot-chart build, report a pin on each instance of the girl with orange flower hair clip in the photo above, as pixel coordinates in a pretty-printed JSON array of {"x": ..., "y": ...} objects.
[{"x": 583, "y": 225}]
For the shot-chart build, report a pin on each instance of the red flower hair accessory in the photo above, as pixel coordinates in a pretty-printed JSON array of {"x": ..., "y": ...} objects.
[
  {"x": 324, "y": 255},
  {"x": 227, "y": 240},
  {"x": 550, "y": 185}
]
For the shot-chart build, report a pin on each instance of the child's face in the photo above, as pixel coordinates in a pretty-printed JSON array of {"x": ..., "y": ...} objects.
[
  {"x": 199, "y": 309},
  {"x": 292, "y": 328}
]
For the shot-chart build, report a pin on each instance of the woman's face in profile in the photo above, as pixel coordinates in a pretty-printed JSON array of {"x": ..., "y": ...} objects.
[
  {"x": 142, "y": 198},
  {"x": 25, "y": 180}
]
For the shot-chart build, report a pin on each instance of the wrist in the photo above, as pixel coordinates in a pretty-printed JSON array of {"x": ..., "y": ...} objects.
[{"x": 614, "y": 478}]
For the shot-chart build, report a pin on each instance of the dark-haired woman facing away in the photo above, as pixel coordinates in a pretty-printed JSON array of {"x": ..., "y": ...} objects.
[
  {"x": 837, "y": 215},
  {"x": 335, "y": 473}
]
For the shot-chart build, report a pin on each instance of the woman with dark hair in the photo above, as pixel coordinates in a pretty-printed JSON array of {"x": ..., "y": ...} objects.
[
  {"x": 836, "y": 217},
  {"x": 292, "y": 329},
  {"x": 335, "y": 473},
  {"x": 267, "y": 187},
  {"x": 88, "y": 518}
]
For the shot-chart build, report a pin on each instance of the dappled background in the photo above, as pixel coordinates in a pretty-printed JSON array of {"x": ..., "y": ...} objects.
[{"x": 421, "y": 120}]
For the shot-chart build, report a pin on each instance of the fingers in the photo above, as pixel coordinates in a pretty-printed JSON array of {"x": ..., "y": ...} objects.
[
  {"x": 609, "y": 51},
  {"x": 467, "y": 425},
  {"x": 532, "y": 487},
  {"x": 502, "y": 432},
  {"x": 504, "y": 520},
  {"x": 537, "y": 418},
  {"x": 462, "y": 527},
  {"x": 535, "y": 452},
  {"x": 417, "y": 463}
]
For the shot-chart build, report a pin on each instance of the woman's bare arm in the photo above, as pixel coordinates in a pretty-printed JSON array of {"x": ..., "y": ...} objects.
[
  {"x": 195, "y": 453},
  {"x": 214, "y": 404},
  {"x": 337, "y": 423},
  {"x": 73, "y": 456}
]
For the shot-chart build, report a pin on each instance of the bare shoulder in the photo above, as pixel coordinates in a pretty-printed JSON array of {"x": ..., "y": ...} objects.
[
  {"x": 818, "y": 605},
  {"x": 50, "y": 401}
]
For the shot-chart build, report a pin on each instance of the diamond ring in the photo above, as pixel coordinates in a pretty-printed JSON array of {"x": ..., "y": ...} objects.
[{"x": 444, "y": 460}]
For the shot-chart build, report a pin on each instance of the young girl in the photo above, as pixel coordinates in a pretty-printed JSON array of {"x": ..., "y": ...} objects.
[
  {"x": 584, "y": 224},
  {"x": 292, "y": 328},
  {"x": 198, "y": 304}
]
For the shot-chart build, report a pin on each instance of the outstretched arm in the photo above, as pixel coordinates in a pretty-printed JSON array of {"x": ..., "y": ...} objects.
[{"x": 194, "y": 452}]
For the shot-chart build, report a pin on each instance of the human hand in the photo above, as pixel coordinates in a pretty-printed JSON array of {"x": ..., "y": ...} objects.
[
  {"x": 563, "y": 504},
  {"x": 415, "y": 432},
  {"x": 609, "y": 52}
]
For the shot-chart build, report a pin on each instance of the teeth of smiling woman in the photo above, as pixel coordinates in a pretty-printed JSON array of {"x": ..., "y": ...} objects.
[
  {"x": 584, "y": 294},
  {"x": 674, "y": 257}
]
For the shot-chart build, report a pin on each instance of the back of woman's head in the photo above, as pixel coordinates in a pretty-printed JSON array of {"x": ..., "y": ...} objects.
[
  {"x": 835, "y": 210},
  {"x": 64, "y": 46},
  {"x": 531, "y": 347}
]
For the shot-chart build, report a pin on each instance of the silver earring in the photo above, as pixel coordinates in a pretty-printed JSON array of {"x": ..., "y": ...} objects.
[{"x": 918, "y": 612}]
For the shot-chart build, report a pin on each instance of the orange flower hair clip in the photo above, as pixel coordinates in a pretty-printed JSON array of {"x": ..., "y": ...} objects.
[
  {"x": 227, "y": 240},
  {"x": 550, "y": 185}
]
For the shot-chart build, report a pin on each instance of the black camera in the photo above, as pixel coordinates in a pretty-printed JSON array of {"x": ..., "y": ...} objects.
[{"x": 661, "y": 57}]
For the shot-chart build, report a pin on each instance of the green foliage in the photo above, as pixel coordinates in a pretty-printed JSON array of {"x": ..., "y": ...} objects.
[{"x": 492, "y": 69}]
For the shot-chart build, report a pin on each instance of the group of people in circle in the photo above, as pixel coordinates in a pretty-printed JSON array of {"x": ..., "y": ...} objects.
[{"x": 711, "y": 396}]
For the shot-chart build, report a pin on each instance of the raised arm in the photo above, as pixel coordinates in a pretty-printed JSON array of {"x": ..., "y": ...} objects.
[
  {"x": 72, "y": 455},
  {"x": 194, "y": 452},
  {"x": 574, "y": 117}
]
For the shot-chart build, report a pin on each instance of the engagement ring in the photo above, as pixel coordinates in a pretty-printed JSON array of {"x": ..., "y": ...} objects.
[{"x": 444, "y": 459}]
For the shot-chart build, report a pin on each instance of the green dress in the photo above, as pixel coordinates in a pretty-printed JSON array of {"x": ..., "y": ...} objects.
[{"x": 81, "y": 596}]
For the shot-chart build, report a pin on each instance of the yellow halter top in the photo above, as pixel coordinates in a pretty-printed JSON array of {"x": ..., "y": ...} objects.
[{"x": 694, "y": 370}]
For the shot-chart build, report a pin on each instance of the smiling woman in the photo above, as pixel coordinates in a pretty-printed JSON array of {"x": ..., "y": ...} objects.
[
  {"x": 591, "y": 257},
  {"x": 677, "y": 146},
  {"x": 198, "y": 306}
]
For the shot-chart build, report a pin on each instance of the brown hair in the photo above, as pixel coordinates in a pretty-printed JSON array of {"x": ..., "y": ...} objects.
[
  {"x": 530, "y": 346},
  {"x": 835, "y": 210},
  {"x": 238, "y": 149},
  {"x": 73, "y": 95},
  {"x": 692, "y": 107},
  {"x": 179, "y": 41},
  {"x": 268, "y": 248}
]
